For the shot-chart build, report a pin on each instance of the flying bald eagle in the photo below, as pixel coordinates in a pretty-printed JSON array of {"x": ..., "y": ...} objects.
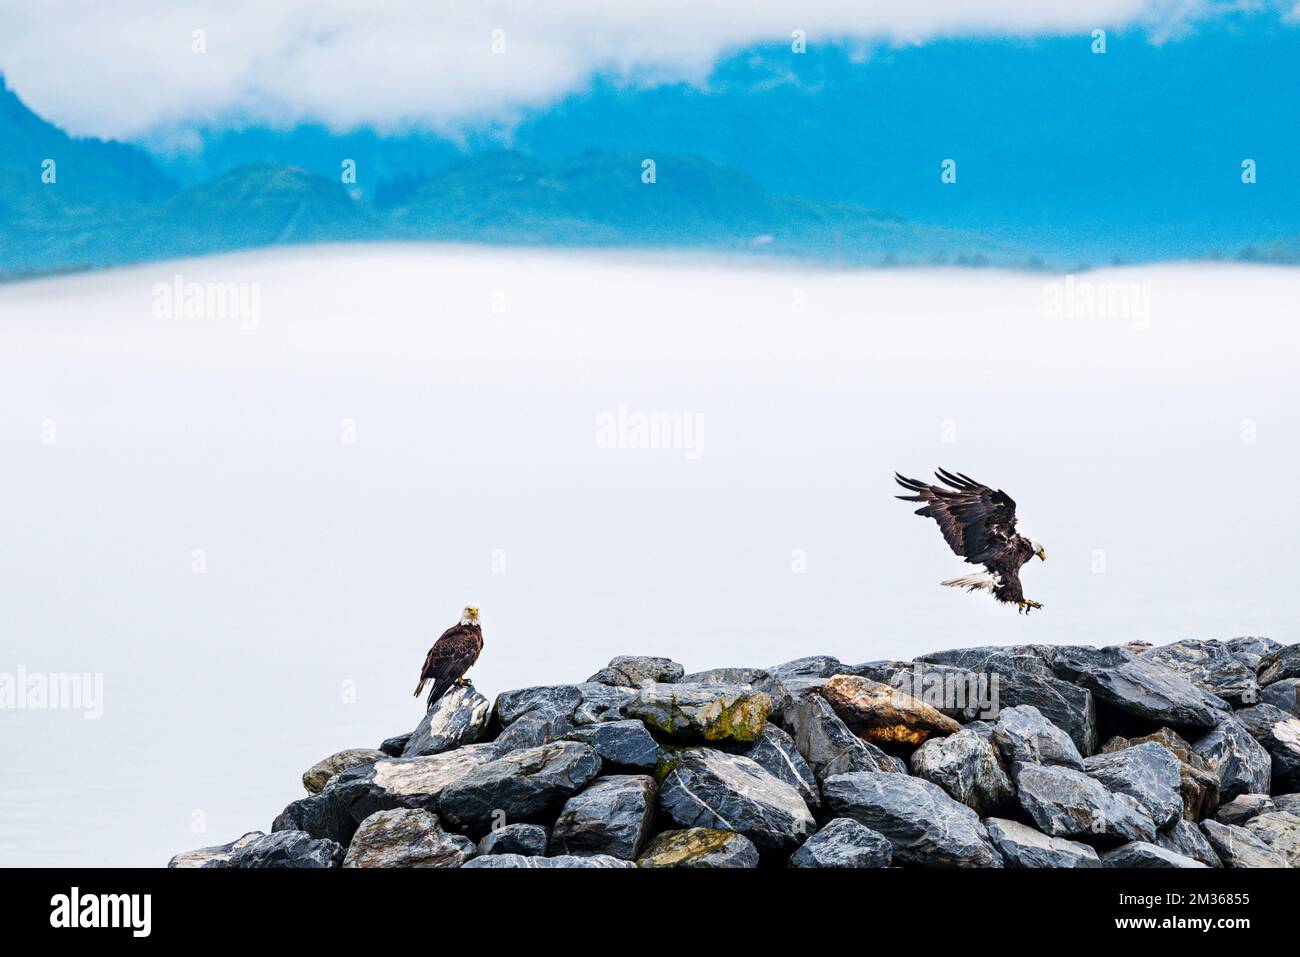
[
  {"x": 451, "y": 656},
  {"x": 979, "y": 524}
]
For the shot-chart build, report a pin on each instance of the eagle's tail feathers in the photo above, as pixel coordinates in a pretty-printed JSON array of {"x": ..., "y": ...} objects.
[
  {"x": 973, "y": 582},
  {"x": 419, "y": 688}
]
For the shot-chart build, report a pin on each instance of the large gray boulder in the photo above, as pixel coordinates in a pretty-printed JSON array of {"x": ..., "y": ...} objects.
[
  {"x": 320, "y": 815},
  {"x": 1251, "y": 649},
  {"x": 1024, "y": 736},
  {"x": 586, "y": 703},
  {"x": 564, "y": 861},
  {"x": 1210, "y": 665},
  {"x": 1284, "y": 694},
  {"x": 1199, "y": 785},
  {"x": 1279, "y": 664},
  {"x": 1064, "y": 802},
  {"x": 526, "y": 839},
  {"x": 725, "y": 676},
  {"x": 699, "y": 847},
  {"x": 776, "y": 753},
  {"x": 1149, "y": 773},
  {"x": 458, "y": 718},
  {"x": 404, "y": 782},
  {"x": 1280, "y": 830},
  {"x": 522, "y": 786},
  {"x": 843, "y": 843},
  {"x": 637, "y": 671},
  {"x": 1241, "y": 763},
  {"x": 610, "y": 816},
  {"x": 533, "y": 729},
  {"x": 622, "y": 745},
  {"x": 318, "y": 775},
  {"x": 218, "y": 856},
  {"x": 406, "y": 837},
  {"x": 1241, "y": 847},
  {"x": 708, "y": 788},
  {"x": 288, "y": 849},
  {"x": 1022, "y": 846},
  {"x": 1278, "y": 733},
  {"x": 828, "y": 745},
  {"x": 1243, "y": 807},
  {"x": 924, "y": 825},
  {"x": 1185, "y": 838},
  {"x": 1019, "y": 681},
  {"x": 1138, "y": 686},
  {"x": 1146, "y": 855},
  {"x": 968, "y": 768},
  {"x": 979, "y": 657},
  {"x": 700, "y": 713}
]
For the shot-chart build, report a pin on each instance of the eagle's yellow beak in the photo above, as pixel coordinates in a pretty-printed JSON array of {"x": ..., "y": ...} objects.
[
  {"x": 1042, "y": 553},
  {"x": 474, "y": 612}
]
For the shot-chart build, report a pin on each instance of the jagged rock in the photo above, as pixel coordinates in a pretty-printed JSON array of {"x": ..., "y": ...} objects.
[
  {"x": 1067, "y": 803},
  {"x": 985, "y": 730},
  {"x": 1239, "y": 847},
  {"x": 1280, "y": 830},
  {"x": 724, "y": 676},
  {"x": 1251, "y": 649},
  {"x": 394, "y": 746},
  {"x": 1186, "y": 838},
  {"x": 1210, "y": 665},
  {"x": 1283, "y": 694},
  {"x": 923, "y": 824},
  {"x": 1144, "y": 854},
  {"x": 712, "y": 789},
  {"x": 828, "y": 745},
  {"x": 1023, "y": 735},
  {"x": 1278, "y": 732},
  {"x": 320, "y": 815},
  {"x": 522, "y": 786},
  {"x": 883, "y": 715},
  {"x": 458, "y": 718},
  {"x": 699, "y": 847},
  {"x": 1149, "y": 773},
  {"x": 843, "y": 842},
  {"x": 218, "y": 856},
  {"x": 812, "y": 666},
  {"x": 1241, "y": 763},
  {"x": 977, "y": 658},
  {"x": 406, "y": 837},
  {"x": 968, "y": 768},
  {"x": 534, "y": 729},
  {"x": 527, "y": 839},
  {"x": 1024, "y": 681},
  {"x": 1138, "y": 686},
  {"x": 405, "y": 782},
  {"x": 637, "y": 671},
  {"x": 567, "y": 860},
  {"x": 1279, "y": 664},
  {"x": 623, "y": 745},
  {"x": 284, "y": 849},
  {"x": 610, "y": 816},
  {"x": 776, "y": 753},
  {"x": 318, "y": 775},
  {"x": 702, "y": 712},
  {"x": 586, "y": 703},
  {"x": 1288, "y": 802},
  {"x": 1243, "y": 807},
  {"x": 1199, "y": 785},
  {"x": 1022, "y": 846},
  {"x": 961, "y": 694}
]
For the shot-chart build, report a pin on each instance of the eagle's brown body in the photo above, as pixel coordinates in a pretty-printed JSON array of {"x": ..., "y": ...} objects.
[{"x": 450, "y": 657}]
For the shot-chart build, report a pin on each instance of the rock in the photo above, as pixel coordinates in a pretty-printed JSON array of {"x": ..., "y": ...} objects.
[
  {"x": 636, "y": 671},
  {"x": 1186, "y": 838},
  {"x": 712, "y": 789},
  {"x": 702, "y": 712},
  {"x": 923, "y": 824},
  {"x": 787, "y": 693},
  {"x": 843, "y": 842},
  {"x": 405, "y": 782},
  {"x": 1143, "y": 854},
  {"x": 522, "y": 786},
  {"x": 319, "y": 815},
  {"x": 776, "y": 753},
  {"x": 527, "y": 839},
  {"x": 1243, "y": 807},
  {"x": 1023, "y": 735},
  {"x": 318, "y": 775},
  {"x": 610, "y": 816},
  {"x": 724, "y": 676},
  {"x": 567, "y": 860},
  {"x": 1138, "y": 686},
  {"x": 1251, "y": 650},
  {"x": 284, "y": 849},
  {"x": 534, "y": 729},
  {"x": 394, "y": 746},
  {"x": 1279, "y": 664},
  {"x": 1239, "y": 847},
  {"x": 1063, "y": 703},
  {"x": 1283, "y": 694},
  {"x": 976, "y": 659},
  {"x": 622, "y": 745},
  {"x": 699, "y": 847},
  {"x": 1241, "y": 763},
  {"x": 586, "y": 703},
  {"x": 1199, "y": 786},
  {"x": 961, "y": 694},
  {"x": 1149, "y": 773},
  {"x": 458, "y": 718},
  {"x": 883, "y": 715},
  {"x": 406, "y": 837},
  {"x": 828, "y": 745},
  {"x": 968, "y": 768},
  {"x": 1064, "y": 802},
  {"x": 1280, "y": 830},
  {"x": 1210, "y": 665},
  {"x": 1022, "y": 846},
  {"x": 1278, "y": 732},
  {"x": 213, "y": 856},
  {"x": 1288, "y": 802},
  {"x": 812, "y": 666}
]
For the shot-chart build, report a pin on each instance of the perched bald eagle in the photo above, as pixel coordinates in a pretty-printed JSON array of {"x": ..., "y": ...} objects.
[
  {"x": 451, "y": 656},
  {"x": 979, "y": 524}
]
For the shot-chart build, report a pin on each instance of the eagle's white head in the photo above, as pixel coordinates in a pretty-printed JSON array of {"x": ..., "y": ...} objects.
[
  {"x": 469, "y": 615},
  {"x": 1039, "y": 550}
]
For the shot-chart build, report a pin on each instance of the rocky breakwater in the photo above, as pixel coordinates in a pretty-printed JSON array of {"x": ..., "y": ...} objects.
[{"x": 1185, "y": 755}]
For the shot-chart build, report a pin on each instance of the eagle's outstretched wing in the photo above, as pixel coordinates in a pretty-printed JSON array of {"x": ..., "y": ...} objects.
[
  {"x": 976, "y": 520},
  {"x": 449, "y": 658}
]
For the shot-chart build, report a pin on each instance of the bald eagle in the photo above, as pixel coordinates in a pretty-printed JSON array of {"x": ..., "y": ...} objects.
[
  {"x": 979, "y": 524},
  {"x": 451, "y": 656}
]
